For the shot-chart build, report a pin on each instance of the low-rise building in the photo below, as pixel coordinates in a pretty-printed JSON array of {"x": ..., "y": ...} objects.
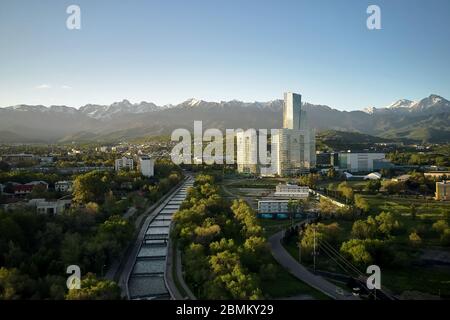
[
  {"x": 438, "y": 174},
  {"x": 373, "y": 176},
  {"x": 47, "y": 159},
  {"x": 359, "y": 162},
  {"x": 21, "y": 189},
  {"x": 16, "y": 158},
  {"x": 291, "y": 191},
  {"x": 38, "y": 183},
  {"x": 64, "y": 186},
  {"x": 443, "y": 190},
  {"x": 124, "y": 163},
  {"x": 50, "y": 207},
  {"x": 273, "y": 209}
]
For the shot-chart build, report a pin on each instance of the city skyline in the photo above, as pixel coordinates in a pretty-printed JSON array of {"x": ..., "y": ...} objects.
[{"x": 168, "y": 52}]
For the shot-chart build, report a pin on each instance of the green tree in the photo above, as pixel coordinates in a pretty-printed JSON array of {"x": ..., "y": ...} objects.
[
  {"x": 314, "y": 233},
  {"x": 394, "y": 187},
  {"x": 356, "y": 250},
  {"x": 415, "y": 239},
  {"x": 90, "y": 187},
  {"x": 387, "y": 223},
  {"x": 363, "y": 230},
  {"x": 361, "y": 203},
  {"x": 95, "y": 289},
  {"x": 326, "y": 207},
  {"x": 373, "y": 186},
  {"x": 440, "y": 226},
  {"x": 13, "y": 285},
  {"x": 346, "y": 191},
  {"x": 445, "y": 237}
]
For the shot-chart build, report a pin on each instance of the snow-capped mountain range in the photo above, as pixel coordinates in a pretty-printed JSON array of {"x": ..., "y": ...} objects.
[
  {"x": 428, "y": 117},
  {"x": 432, "y": 103}
]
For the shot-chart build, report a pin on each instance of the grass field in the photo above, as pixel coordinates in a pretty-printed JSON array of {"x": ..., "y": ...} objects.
[
  {"x": 429, "y": 208},
  {"x": 286, "y": 285},
  {"x": 355, "y": 184},
  {"x": 273, "y": 226}
]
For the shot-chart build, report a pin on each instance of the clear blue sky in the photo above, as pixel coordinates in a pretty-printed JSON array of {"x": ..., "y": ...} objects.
[{"x": 167, "y": 51}]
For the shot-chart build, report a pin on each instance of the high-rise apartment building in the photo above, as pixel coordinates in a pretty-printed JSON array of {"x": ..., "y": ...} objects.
[
  {"x": 247, "y": 151},
  {"x": 293, "y": 148},
  {"x": 295, "y": 143}
]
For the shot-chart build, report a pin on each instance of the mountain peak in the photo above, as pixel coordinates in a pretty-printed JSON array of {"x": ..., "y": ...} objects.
[
  {"x": 192, "y": 102},
  {"x": 436, "y": 98},
  {"x": 402, "y": 103}
]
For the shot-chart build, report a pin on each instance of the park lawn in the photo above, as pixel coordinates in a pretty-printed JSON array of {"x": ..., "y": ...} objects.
[
  {"x": 428, "y": 212},
  {"x": 431, "y": 280},
  {"x": 272, "y": 226},
  {"x": 322, "y": 261},
  {"x": 256, "y": 183},
  {"x": 355, "y": 184},
  {"x": 402, "y": 205},
  {"x": 286, "y": 285}
]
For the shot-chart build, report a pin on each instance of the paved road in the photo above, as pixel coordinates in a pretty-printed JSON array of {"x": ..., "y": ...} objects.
[{"x": 299, "y": 271}]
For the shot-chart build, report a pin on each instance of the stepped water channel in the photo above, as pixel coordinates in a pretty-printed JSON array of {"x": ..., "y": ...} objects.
[{"x": 147, "y": 278}]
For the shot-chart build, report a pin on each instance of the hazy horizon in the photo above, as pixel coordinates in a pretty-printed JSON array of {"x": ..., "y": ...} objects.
[{"x": 209, "y": 101}]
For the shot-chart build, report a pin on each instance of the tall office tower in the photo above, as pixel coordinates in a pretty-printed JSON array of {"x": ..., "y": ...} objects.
[
  {"x": 292, "y": 109},
  {"x": 296, "y": 141}
]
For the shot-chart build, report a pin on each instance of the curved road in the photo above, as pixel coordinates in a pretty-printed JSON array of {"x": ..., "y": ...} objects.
[{"x": 299, "y": 271}]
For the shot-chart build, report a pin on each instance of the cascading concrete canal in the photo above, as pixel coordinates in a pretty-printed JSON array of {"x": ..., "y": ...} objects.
[{"x": 147, "y": 278}]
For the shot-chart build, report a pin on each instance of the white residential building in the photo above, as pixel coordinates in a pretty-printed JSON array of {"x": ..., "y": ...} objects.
[
  {"x": 291, "y": 191},
  {"x": 247, "y": 151},
  {"x": 147, "y": 166},
  {"x": 293, "y": 148},
  {"x": 124, "y": 163},
  {"x": 63, "y": 186}
]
